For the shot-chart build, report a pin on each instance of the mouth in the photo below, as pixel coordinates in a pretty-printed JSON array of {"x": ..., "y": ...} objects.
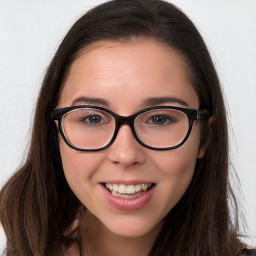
[
  {"x": 128, "y": 191},
  {"x": 128, "y": 196}
]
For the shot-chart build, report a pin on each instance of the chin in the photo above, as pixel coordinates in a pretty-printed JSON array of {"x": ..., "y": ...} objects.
[{"x": 131, "y": 227}]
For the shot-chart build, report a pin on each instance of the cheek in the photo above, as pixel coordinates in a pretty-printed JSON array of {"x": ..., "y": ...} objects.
[
  {"x": 177, "y": 168},
  {"x": 78, "y": 166},
  {"x": 180, "y": 161}
]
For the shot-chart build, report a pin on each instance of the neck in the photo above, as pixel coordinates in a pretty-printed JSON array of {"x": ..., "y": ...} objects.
[{"x": 97, "y": 240}]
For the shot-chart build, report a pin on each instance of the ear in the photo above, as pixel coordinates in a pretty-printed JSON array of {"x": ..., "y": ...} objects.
[{"x": 205, "y": 137}]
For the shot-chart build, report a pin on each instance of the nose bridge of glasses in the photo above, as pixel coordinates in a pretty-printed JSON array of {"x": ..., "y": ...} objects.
[{"x": 125, "y": 120}]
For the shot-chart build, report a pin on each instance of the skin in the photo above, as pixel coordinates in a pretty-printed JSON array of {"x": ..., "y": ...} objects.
[{"x": 134, "y": 71}]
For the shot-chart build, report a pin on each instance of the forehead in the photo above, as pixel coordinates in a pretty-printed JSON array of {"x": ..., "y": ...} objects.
[{"x": 111, "y": 70}]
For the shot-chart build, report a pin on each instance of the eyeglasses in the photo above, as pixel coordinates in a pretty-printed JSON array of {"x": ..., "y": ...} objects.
[{"x": 92, "y": 128}]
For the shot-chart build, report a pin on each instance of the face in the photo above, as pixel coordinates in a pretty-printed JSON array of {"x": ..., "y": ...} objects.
[{"x": 122, "y": 77}]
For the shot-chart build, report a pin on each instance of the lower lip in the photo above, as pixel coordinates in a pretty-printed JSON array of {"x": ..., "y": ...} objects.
[{"x": 128, "y": 205}]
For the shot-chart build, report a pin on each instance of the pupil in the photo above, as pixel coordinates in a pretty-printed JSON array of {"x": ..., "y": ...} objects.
[
  {"x": 94, "y": 119},
  {"x": 159, "y": 119}
]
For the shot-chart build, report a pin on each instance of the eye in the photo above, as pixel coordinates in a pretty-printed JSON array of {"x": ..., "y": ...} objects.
[
  {"x": 161, "y": 119},
  {"x": 93, "y": 119}
]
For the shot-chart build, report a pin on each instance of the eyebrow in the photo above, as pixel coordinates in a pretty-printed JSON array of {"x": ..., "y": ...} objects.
[
  {"x": 161, "y": 100},
  {"x": 93, "y": 101},
  {"x": 150, "y": 101}
]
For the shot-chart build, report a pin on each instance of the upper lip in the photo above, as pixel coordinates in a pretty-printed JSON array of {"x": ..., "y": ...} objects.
[{"x": 128, "y": 182}]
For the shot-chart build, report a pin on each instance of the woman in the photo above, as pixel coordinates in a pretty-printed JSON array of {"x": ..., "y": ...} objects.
[{"x": 129, "y": 150}]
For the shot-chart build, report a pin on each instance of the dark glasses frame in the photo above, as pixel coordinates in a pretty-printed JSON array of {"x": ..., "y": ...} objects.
[{"x": 192, "y": 114}]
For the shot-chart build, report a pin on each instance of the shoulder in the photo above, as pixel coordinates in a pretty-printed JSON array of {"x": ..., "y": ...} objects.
[
  {"x": 248, "y": 252},
  {"x": 2, "y": 240}
]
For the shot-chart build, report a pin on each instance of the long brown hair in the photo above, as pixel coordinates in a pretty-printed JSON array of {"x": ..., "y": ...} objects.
[{"x": 37, "y": 205}]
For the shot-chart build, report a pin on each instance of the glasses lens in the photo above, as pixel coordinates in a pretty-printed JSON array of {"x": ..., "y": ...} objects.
[
  {"x": 88, "y": 128},
  {"x": 162, "y": 128}
]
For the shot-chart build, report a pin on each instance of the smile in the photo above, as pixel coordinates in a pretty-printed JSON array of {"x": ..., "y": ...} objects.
[
  {"x": 127, "y": 191},
  {"x": 131, "y": 197}
]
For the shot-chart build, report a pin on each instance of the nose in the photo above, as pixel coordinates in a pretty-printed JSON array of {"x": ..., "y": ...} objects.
[{"x": 125, "y": 150}]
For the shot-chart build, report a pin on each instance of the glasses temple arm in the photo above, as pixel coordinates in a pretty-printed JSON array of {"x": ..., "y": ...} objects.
[{"x": 203, "y": 114}]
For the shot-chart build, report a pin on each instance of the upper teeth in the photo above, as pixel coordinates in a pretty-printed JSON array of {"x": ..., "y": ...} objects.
[{"x": 127, "y": 189}]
